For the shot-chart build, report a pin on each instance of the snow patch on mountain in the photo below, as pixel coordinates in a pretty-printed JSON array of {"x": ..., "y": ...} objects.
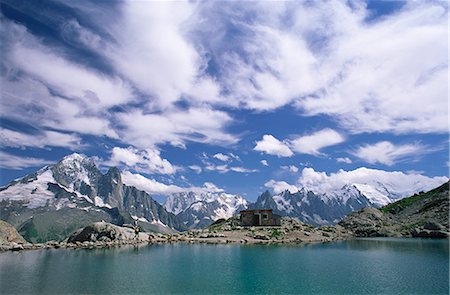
[
  {"x": 283, "y": 204},
  {"x": 201, "y": 209},
  {"x": 376, "y": 197},
  {"x": 34, "y": 193}
]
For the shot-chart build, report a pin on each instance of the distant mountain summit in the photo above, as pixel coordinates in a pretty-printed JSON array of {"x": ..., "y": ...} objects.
[
  {"x": 198, "y": 210},
  {"x": 58, "y": 199},
  {"x": 327, "y": 208},
  {"x": 313, "y": 208}
]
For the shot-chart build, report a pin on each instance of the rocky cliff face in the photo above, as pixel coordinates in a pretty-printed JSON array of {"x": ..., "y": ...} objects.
[
  {"x": 421, "y": 215},
  {"x": 8, "y": 234},
  {"x": 58, "y": 199}
]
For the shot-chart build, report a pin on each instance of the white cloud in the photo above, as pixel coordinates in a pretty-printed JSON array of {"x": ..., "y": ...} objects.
[
  {"x": 176, "y": 126},
  {"x": 272, "y": 146},
  {"x": 197, "y": 169},
  {"x": 28, "y": 100},
  {"x": 280, "y": 186},
  {"x": 210, "y": 187},
  {"x": 235, "y": 157},
  {"x": 154, "y": 187},
  {"x": 146, "y": 161},
  {"x": 29, "y": 55},
  {"x": 380, "y": 73},
  {"x": 344, "y": 160},
  {"x": 290, "y": 168},
  {"x": 384, "y": 152},
  {"x": 225, "y": 168},
  {"x": 311, "y": 144},
  {"x": 221, "y": 157},
  {"x": 395, "y": 181},
  {"x": 308, "y": 144},
  {"x": 160, "y": 59},
  {"x": 368, "y": 76},
  {"x": 264, "y": 162},
  {"x": 47, "y": 95},
  {"x": 9, "y": 161},
  {"x": 10, "y": 138},
  {"x": 293, "y": 168},
  {"x": 242, "y": 169}
]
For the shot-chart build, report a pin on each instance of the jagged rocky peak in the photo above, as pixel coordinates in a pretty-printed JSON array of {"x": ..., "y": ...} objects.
[
  {"x": 198, "y": 210},
  {"x": 74, "y": 169},
  {"x": 114, "y": 175}
]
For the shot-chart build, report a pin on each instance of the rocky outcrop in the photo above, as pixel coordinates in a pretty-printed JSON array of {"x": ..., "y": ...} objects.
[
  {"x": 431, "y": 230},
  {"x": 368, "y": 222},
  {"x": 423, "y": 215},
  {"x": 106, "y": 232},
  {"x": 8, "y": 234}
]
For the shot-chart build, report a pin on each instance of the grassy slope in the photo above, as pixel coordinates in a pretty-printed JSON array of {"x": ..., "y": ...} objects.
[{"x": 406, "y": 202}]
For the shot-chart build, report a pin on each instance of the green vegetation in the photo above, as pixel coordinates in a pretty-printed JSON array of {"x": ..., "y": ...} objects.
[
  {"x": 276, "y": 233},
  {"x": 403, "y": 203}
]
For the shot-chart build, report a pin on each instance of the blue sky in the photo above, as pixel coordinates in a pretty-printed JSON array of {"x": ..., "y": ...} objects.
[{"x": 233, "y": 96}]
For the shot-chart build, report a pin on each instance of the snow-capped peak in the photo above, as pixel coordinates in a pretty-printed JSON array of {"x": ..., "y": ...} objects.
[
  {"x": 72, "y": 158},
  {"x": 74, "y": 169},
  {"x": 202, "y": 209}
]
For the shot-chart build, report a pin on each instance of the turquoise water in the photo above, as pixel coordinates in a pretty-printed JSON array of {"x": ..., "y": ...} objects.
[{"x": 386, "y": 266}]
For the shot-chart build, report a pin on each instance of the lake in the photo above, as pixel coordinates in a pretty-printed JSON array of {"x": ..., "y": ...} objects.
[{"x": 363, "y": 266}]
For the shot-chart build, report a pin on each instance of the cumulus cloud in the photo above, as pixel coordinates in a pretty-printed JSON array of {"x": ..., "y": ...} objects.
[
  {"x": 307, "y": 144},
  {"x": 311, "y": 144},
  {"x": 290, "y": 168},
  {"x": 221, "y": 157},
  {"x": 264, "y": 162},
  {"x": 9, "y": 161},
  {"x": 146, "y": 161},
  {"x": 272, "y": 146},
  {"x": 395, "y": 181},
  {"x": 280, "y": 186},
  {"x": 154, "y": 187},
  {"x": 346, "y": 160},
  {"x": 387, "y": 153}
]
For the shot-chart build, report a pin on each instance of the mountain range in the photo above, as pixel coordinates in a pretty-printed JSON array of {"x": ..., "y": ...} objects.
[
  {"x": 58, "y": 199},
  {"x": 201, "y": 210}
]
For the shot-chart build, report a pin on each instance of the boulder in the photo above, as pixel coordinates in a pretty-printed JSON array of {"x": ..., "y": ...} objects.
[
  {"x": 434, "y": 226},
  {"x": 104, "y": 232},
  {"x": 427, "y": 233}
]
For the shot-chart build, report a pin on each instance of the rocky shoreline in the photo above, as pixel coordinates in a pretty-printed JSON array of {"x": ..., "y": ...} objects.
[{"x": 105, "y": 235}]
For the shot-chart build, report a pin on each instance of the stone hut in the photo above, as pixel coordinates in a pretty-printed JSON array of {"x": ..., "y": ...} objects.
[{"x": 260, "y": 217}]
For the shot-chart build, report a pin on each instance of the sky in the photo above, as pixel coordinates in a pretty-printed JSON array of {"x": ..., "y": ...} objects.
[{"x": 230, "y": 96}]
